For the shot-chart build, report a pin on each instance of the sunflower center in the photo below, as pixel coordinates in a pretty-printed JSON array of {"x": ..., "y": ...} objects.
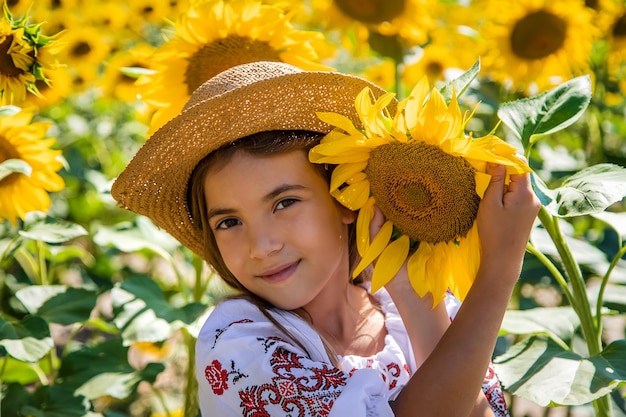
[
  {"x": 81, "y": 49},
  {"x": 434, "y": 70},
  {"x": 7, "y": 151},
  {"x": 427, "y": 193},
  {"x": 371, "y": 11},
  {"x": 619, "y": 28},
  {"x": 7, "y": 67},
  {"x": 538, "y": 35},
  {"x": 225, "y": 53}
]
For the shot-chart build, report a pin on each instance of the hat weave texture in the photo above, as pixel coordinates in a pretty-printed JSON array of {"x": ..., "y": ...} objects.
[{"x": 238, "y": 102}]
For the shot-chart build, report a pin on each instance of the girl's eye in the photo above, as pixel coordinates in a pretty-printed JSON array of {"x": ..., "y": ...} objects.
[
  {"x": 227, "y": 223},
  {"x": 284, "y": 203}
]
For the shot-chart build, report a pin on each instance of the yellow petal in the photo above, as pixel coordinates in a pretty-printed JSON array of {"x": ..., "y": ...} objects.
[
  {"x": 355, "y": 195},
  {"x": 363, "y": 220},
  {"x": 378, "y": 245},
  {"x": 482, "y": 182},
  {"x": 337, "y": 120},
  {"x": 417, "y": 268},
  {"x": 390, "y": 262},
  {"x": 438, "y": 272},
  {"x": 344, "y": 172}
]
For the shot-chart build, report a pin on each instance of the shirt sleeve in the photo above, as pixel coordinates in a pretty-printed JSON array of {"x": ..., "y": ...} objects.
[{"x": 246, "y": 367}]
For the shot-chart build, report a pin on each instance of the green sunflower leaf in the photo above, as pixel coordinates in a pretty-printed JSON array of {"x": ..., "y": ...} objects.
[
  {"x": 461, "y": 83},
  {"x": 12, "y": 166},
  {"x": 136, "y": 72},
  {"x": 9, "y": 110},
  {"x": 591, "y": 190},
  {"x": 144, "y": 315},
  {"x": 58, "y": 303},
  {"x": 137, "y": 236},
  {"x": 28, "y": 340},
  {"x": 95, "y": 371},
  {"x": 45, "y": 401},
  {"x": 558, "y": 323},
  {"x": 547, "y": 112},
  {"x": 389, "y": 46},
  {"x": 50, "y": 230},
  {"x": 545, "y": 373}
]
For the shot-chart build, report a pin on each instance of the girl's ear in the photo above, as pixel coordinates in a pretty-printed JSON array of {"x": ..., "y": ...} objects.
[{"x": 347, "y": 216}]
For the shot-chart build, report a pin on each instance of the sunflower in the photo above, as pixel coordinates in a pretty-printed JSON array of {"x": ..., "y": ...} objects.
[
  {"x": 24, "y": 57},
  {"x": 117, "y": 82},
  {"x": 21, "y": 193},
  {"x": 85, "y": 48},
  {"x": 616, "y": 38},
  {"x": 56, "y": 90},
  {"x": 409, "y": 20},
  {"x": 534, "y": 44},
  {"x": 425, "y": 175},
  {"x": 214, "y": 36}
]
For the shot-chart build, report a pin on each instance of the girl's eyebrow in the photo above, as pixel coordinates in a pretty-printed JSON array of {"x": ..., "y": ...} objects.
[
  {"x": 282, "y": 189},
  {"x": 217, "y": 211}
]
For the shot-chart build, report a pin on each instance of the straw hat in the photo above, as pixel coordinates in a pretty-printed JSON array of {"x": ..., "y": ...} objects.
[{"x": 238, "y": 102}]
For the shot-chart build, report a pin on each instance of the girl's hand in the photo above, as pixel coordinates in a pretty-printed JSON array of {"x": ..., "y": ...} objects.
[{"x": 505, "y": 218}]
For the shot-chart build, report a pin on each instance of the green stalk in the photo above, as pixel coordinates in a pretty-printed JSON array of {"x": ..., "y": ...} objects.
[
  {"x": 41, "y": 257},
  {"x": 398, "y": 80},
  {"x": 605, "y": 280},
  {"x": 191, "y": 391},
  {"x": 553, "y": 270},
  {"x": 161, "y": 399},
  {"x": 580, "y": 300},
  {"x": 2, "y": 368},
  {"x": 199, "y": 287}
]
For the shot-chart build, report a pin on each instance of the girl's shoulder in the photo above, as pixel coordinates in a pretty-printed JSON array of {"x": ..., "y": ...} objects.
[{"x": 239, "y": 322}]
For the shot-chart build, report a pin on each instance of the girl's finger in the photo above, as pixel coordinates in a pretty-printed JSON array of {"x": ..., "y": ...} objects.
[{"x": 377, "y": 222}]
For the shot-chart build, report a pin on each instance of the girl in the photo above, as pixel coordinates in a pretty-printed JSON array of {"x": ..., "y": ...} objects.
[{"x": 230, "y": 178}]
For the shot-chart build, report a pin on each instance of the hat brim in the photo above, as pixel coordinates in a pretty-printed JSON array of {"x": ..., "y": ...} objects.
[{"x": 155, "y": 182}]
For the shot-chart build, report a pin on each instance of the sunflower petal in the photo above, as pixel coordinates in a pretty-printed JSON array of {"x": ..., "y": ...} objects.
[
  {"x": 438, "y": 271},
  {"x": 337, "y": 120},
  {"x": 363, "y": 220},
  {"x": 355, "y": 195},
  {"x": 342, "y": 173},
  {"x": 482, "y": 182},
  {"x": 390, "y": 262},
  {"x": 417, "y": 268},
  {"x": 378, "y": 245}
]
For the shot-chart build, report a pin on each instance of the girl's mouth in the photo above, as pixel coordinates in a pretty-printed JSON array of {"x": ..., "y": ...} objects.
[{"x": 280, "y": 273}]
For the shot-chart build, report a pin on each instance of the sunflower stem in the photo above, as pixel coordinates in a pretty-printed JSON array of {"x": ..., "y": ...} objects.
[
  {"x": 191, "y": 391},
  {"x": 580, "y": 299},
  {"x": 41, "y": 258},
  {"x": 553, "y": 270},
  {"x": 398, "y": 79},
  {"x": 603, "y": 284}
]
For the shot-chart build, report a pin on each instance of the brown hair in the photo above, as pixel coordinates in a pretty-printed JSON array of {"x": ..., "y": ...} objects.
[{"x": 263, "y": 143}]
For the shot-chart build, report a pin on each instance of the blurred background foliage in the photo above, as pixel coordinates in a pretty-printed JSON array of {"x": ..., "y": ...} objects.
[{"x": 99, "y": 308}]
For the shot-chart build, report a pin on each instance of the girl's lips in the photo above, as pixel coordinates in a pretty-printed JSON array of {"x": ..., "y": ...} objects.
[{"x": 280, "y": 273}]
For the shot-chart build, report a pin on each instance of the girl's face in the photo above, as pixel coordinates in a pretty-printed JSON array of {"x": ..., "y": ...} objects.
[{"x": 279, "y": 231}]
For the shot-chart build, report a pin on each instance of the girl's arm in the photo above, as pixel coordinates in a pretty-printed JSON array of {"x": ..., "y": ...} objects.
[{"x": 455, "y": 356}]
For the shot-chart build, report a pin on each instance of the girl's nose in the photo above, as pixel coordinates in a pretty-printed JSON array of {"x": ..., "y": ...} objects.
[{"x": 264, "y": 242}]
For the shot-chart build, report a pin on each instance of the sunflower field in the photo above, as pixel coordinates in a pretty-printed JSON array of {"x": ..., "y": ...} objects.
[{"x": 99, "y": 308}]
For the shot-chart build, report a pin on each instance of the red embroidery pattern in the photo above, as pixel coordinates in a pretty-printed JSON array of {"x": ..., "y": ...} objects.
[
  {"x": 217, "y": 377},
  {"x": 494, "y": 394},
  {"x": 298, "y": 388}
]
